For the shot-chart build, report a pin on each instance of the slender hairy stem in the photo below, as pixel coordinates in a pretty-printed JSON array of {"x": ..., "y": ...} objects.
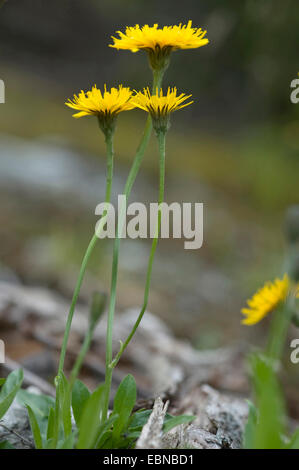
[
  {"x": 157, "y": 80},
  {"x": 161, "y": 141},
  {"x": 92, "y": 243}
]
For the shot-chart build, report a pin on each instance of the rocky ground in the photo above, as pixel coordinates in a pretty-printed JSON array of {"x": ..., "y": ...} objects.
[{"x": 170, "y": 374}]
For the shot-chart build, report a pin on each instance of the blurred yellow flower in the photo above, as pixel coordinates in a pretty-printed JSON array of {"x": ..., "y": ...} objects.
[
  {"x": 167, "y": 38},
  {"x": 107, "y": 104},
  {"x": 160, "y": 105},
  {"x": 265, "y": 300}
]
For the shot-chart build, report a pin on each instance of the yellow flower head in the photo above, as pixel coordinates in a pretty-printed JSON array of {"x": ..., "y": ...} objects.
[
  {"x": 160, "y": 106},
  {"x": 152, "y": 37},
  {"x": 265, "y": 300},
  {"x": 96, "y": 103},
  {"x": 160, "y": 42}
]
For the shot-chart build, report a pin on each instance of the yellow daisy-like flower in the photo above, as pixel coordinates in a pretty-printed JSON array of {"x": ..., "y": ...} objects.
[
  {"x": 96, "y": 103},
  {"x": 160, "y": 42},
  {"x": 151, "y": 37},
  {"x": 160, "y": 106},
  {"x": 106, "y": 106},
  {"x": 265, "y": 300}
]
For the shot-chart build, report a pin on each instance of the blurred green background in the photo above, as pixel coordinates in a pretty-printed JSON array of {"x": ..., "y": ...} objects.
[{"x": 236, "y": 149}]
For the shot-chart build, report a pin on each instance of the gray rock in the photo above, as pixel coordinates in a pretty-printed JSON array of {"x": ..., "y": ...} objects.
[{"x": 15, "y": 427}]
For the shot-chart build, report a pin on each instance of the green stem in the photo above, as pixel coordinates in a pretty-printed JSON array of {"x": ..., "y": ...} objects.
[
  {"x": 129, "y": 183},
  {"x": 161, "y": 142},
  {"x": 92, "y": 243},
  {"x": 157, "y": 80},
  {"x": 279, "y": 328}
]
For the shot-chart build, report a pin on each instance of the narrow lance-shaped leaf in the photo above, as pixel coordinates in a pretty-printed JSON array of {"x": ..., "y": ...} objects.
[
  {"x": 50, "y": 428},
  {"x": 90, "y": 420},
  {"x": 80, "y": 395},
  {"x": 35, "y": 429},
  {"x": 65, "y": 403},
  {"x": 171, "y": 422},
  {"x": 124, "y": 401}
]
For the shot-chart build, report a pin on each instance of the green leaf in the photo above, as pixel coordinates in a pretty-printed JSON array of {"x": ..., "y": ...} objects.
[
  {"x": 90, "y": 420},
  {"x": 9, "y": 390},
  {"x": 2, "y": 382},
  {"x": 68, "y": 443},
  {"x": 6, "y": 445},
  {"x": 133, "y": 429},
  {"x": 106, "y": 441},
  {"x": 131, "y": 437},
  {"x": 249, "y": 432},
  {"x": 270, "y": 425},
  {"x": 57, "y": 428},
  {"x": 105, "y": 432},
  {"x": 35, "y": 429},
  {"x": 49, "y": 444},
  {"x": 124, "y": 401},
  {"x": 64, "y": 392},
  {"x": 40, "y": 405},
  {"x": 171, "y": 422},
  {"x": 80, "y": 395},
  {"x": 50, "y": 427},
  {"x": 139, "y": 419}
]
